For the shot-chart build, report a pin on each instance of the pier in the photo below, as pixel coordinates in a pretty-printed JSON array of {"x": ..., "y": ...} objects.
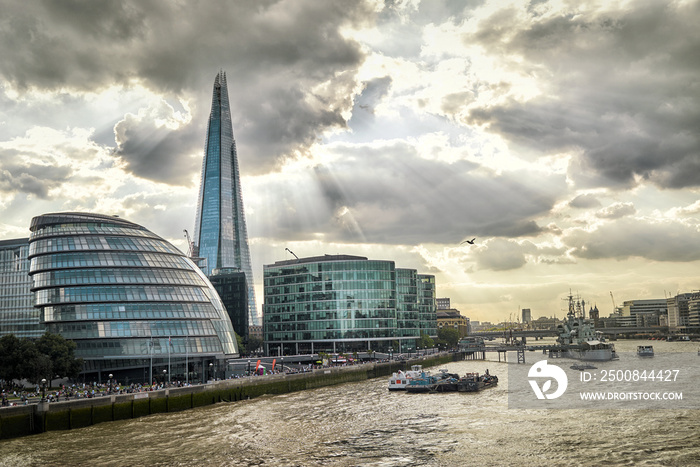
[{"x": 478, "y": 352}]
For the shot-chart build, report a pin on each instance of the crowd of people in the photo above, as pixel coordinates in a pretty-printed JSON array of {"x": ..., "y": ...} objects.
[{"x": 95, "y": 389}]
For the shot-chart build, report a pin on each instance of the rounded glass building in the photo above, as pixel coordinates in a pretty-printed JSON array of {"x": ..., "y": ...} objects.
[{"x": 132, "y": 302}]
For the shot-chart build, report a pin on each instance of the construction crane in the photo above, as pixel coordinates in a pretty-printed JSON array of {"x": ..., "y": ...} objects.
[
  {"x": 292, "y": 253},
  {"x": 190, "y": 244},
  {"x": 613, "y": 302}
]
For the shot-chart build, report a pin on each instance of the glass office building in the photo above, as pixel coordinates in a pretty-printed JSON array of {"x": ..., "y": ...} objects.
[
  {"x": 340, "y": 303},
  {"x": 427, "y": 304},
  {"x": 132, "y": 302},
  {"x": 221, "y": 236},
  {"x": 408, "y": 316},
  {"x": 17, "y": 313},
  {"x": 232, "y": 288}
]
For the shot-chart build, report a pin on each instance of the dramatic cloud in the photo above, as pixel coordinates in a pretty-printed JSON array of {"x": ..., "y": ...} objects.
[
  {"x": 617, "y": 85},
  {"x": 616, "y": 211},
  {"x": 562, "y": 134},
  {"x": 158, "y": 144},
  {"x": 291, "y": 70},
  {"x": 584, "y": 201},
  {"x": 657, "y": 241}
]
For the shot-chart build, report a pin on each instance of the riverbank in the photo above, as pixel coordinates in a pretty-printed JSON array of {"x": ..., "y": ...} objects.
[{"x": 38, "y": 418}]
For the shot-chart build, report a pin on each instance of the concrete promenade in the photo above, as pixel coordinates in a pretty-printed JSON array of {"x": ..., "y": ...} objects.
[{"x": 38, "y": 418}]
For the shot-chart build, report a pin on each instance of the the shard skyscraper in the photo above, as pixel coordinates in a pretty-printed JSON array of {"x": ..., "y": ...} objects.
[{"x": 220, "y": 235}]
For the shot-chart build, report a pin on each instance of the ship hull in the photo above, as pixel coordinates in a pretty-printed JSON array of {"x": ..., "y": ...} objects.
[{"x": 596, "y": 355}]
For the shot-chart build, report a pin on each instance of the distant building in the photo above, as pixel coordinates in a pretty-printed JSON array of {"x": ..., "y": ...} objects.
[
  {"x": 453, "y": 318},
  {"x": 694, "y": 313},
  {"x": 17, "y": 313},
  {"x": 527, "y": 315},
  {"x": 133, "y": 303},
  {"x": 635, "y": 307},
  {"x": 343, "y": 303},
  {"x": 544, "y": 323},
  {"x": 678, "y": 311},
  {"x": 443, "y": 303}
]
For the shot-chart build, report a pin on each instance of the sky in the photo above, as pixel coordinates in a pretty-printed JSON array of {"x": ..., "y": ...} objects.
[{"x": 562, "y": 135}]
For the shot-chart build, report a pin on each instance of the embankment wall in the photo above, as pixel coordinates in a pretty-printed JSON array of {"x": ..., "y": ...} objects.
[{"x": 38, "y": 418}]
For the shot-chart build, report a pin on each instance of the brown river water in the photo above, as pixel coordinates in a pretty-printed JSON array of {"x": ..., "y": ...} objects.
[{"x": 363, "y": 424}]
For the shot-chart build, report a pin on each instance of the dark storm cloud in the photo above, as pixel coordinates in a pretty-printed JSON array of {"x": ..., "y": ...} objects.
[
  {"x": 619, "y": 88},
  {"x": 28, "y": 177},
  {"x": 629, "y": 237},
  {"x": 156, "y": 152},
  {"x": 290, "y": 70},
  {"x": 394, "y": 196}
]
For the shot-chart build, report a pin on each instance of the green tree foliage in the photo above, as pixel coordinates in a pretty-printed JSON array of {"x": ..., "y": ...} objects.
[
  {"x": 254, "y": 343},
  {"x": 61, "y": 352},
  {"x": 241, "y": 345},
  {"x": 46, "y": 357},
  {"x": 425, "y": 342},
  {"x": 10, "y": 364},
  {"x": 448, "y": 336}
]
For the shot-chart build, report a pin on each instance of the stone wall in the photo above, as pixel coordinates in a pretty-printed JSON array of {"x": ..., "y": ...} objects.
[{"x": 38, "y": 418}]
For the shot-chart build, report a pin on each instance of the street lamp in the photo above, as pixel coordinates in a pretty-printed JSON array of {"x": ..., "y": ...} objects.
[
  {"x": 164, "y": 373},
  {"x": 43, "y": 390},
  {"x": 110, "y": 383},
  {"x": 211, "y": 371},
  {"x": 248, "y": 370},
  {"x": 282, "y": 365}
]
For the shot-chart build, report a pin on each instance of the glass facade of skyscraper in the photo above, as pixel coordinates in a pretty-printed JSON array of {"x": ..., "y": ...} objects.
[
  {"x": 339, "y": 303},
  {"x": 17, "y": 313},
  {"x": 221, "y": 236},
  {"x": 427, "y": 307},
  {"x": 129, "y": 299},
  {"x": 408, "y": 317}
]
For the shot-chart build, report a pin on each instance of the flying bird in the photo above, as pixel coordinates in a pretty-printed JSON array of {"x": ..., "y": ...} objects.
[{"x": 471, "y": 242}]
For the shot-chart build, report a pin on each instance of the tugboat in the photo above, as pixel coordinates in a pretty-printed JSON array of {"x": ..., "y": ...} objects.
[
  {"x": 645, "y": 351},
  {"x": 400, "y": 379},
  {"x": 473, "y": 382},
  {"x": 579, "y": 337}
]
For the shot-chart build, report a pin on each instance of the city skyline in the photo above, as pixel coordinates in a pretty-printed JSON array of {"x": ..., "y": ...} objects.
[{"x": 562, "y": 135}]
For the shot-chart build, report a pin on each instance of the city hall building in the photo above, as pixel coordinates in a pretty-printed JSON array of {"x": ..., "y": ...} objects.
[
  {"x": 343, "y": 303},
  {"x": 133, "y": 303}
]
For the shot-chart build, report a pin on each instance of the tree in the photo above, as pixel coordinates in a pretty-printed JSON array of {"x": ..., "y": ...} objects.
[
  {"x": 254, "y": 343},
  {"x": 61, "y": 353},
  {"x": 448, "y": 336},
  {"x": 425, "y": 341},
  {"x": 241, "y": 345},
  {"x": 9, "y": 361}
]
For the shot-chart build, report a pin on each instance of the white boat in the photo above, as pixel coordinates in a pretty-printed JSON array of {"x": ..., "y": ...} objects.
[
  {"x": 580, "y": 339},
  {"x": 400, "y": 379},
  {"x": 645, "y": 351}
]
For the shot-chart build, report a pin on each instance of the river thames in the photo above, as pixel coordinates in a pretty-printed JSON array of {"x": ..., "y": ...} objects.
[{"x": 364, "y": 424}]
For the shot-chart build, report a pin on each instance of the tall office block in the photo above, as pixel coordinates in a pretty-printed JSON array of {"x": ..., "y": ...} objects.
[
  {"x": 17, "y": 313},
  {"x": 232, "y": 288},
  {"x": 427, "y": 309},
  {"x": 221, "y": 236}
]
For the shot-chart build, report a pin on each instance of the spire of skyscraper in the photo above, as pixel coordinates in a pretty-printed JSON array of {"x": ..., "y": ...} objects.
[{"x": 220, "y": 235}]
